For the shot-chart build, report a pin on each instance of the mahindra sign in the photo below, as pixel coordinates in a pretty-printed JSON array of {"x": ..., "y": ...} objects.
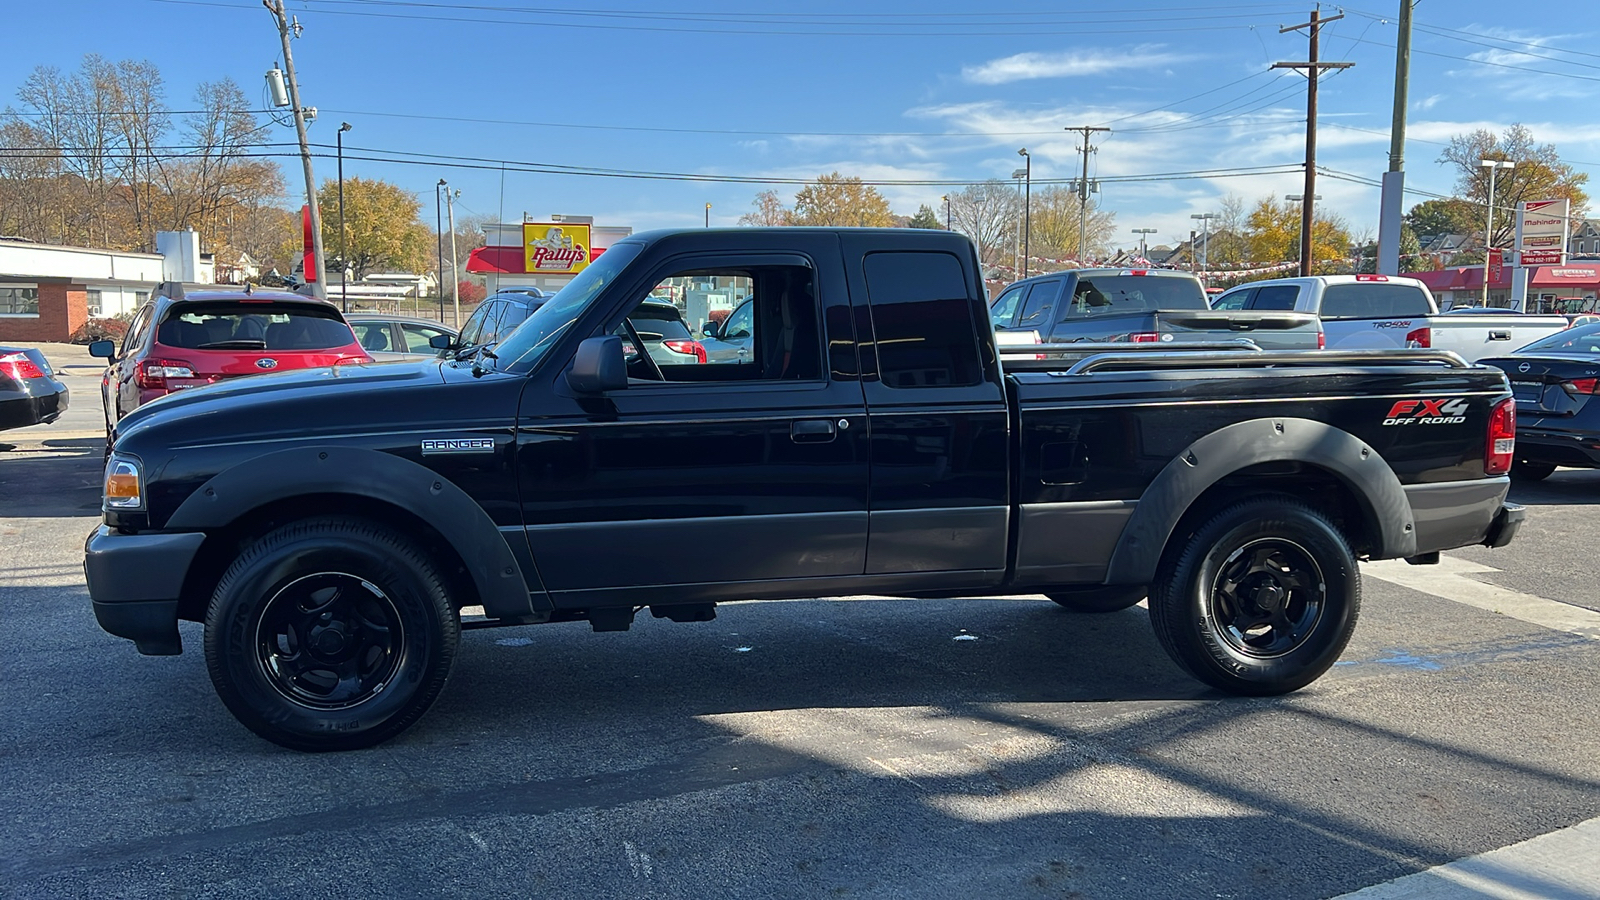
[{"x": 1542, "y": 232}]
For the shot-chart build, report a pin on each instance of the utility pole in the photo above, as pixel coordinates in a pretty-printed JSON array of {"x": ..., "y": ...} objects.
[
  {"x": 455, "y": 285},
  {"x": 319, "y": 278},
  {"x": 1313, "y": 67},
  {"x": 438, "y": 234},
  {"x": 1394, "y": 180},
  {"x": 344, "y": 261},
  {"x": 1083, "y": 188},
  {"x": 1027, "y": 208}
]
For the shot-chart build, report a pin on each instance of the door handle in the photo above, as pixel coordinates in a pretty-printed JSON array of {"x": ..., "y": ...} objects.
[
  {"x": 811, "y": 431},
  {"x": 1499, "y": 335}
]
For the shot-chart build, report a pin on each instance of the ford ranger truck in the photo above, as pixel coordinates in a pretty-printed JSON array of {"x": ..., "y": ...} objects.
[{"x": 327, "y": 527}]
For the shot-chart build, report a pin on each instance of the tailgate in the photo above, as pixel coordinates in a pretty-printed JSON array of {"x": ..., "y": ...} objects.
[{"x": 1269, "y": 330}]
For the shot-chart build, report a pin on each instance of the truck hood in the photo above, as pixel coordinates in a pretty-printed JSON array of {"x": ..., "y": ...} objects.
[{"x": 267, "y": 400}]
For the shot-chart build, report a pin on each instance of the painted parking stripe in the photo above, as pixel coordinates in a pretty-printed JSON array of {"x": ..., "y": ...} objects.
[
  {"x": 1449, "y": 580},
  {"x": 1560, "y": 865}
]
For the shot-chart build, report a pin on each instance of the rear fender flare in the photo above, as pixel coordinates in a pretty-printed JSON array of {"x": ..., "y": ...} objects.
[
  {"x": 1244, "y": 444},
  {"x": 503, "y": 588}
]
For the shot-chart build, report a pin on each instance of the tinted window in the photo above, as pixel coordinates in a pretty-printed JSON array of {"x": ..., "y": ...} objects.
[
  {"x": 1370, "y": 300},
  {"x": 1584, "y": 340},
  {"x": 137, "y": 331},
  {"x": 252, "y": 326},
  {"x": 1005, "y": 309},
  {"x": 1039, "y": 311},
  {"x": 1276, "y": 296},
  {"x": 513, "y": 315},
  {"x": 740, "y": 323},
  {"x": 1101, "y": 294},
  {"x": 922, "y": 320},
  {"x": 476, "y": 323}
]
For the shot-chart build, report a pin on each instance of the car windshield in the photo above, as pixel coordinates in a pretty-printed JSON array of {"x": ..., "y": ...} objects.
[
  {"x": 1583, "y": 340},
  {"x": 659, "y": 323},
  {"x": 523, "y": 348},
  {"x": 1133, "y": 293},
  {"x": 253, "y": 325}
]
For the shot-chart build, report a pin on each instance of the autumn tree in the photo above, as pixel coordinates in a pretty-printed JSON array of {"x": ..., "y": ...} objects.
[
  {"x": 1539, "y": 174},
  {"x": 925, "y": 218},
  {"x": 841, "y": 200},
  {"x": 383, "y": 229},
  {"x": 1273, "y": 235},
  {"x": 1448, "y": 215},
  {"x": 1055, "y": 218},
  {"x": 768, "y": 210}
]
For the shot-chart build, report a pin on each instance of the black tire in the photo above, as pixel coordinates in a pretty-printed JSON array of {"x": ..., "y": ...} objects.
[
  {"x": 1531, "y": 471},
  {"x": 333, "y": 633},
  {"x": 1260, "y": 600},
  {"x": 1098, "y": 598}
]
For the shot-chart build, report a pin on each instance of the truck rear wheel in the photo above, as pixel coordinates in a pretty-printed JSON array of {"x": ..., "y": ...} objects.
[
  {"x": 333, "y": 633},
  {"x": 1261, "y": 600},
  {"x": 1098, "y": 598}
]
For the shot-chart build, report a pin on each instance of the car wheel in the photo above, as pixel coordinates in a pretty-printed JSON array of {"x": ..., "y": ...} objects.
[
  {"x": 332, "y": 633},
  {"x": 1261, "y": 600},
  {"x": 1531, "y": 471},
  {"x": 1098, "y": 598}
]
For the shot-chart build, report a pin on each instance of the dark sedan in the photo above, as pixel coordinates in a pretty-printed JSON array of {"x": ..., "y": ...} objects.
[
  {"x": 1555, "y": 380},
  {"x": 29, "y": 391}
]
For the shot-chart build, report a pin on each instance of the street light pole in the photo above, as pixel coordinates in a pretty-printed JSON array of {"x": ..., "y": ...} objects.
[
  {"x": 1493, "y": 165},
  {"x": 1143, "y": 249},
  {"x": 947, "y": 213},
  {"x": 344, "y": 261},
  {"x": 455, "y": 285},
  {"x": 708, "y": 215},
  {"x": 438, "y": 233},
  {"x": 1027, "y": 207},
  {"x": 1205, "y": 242}
]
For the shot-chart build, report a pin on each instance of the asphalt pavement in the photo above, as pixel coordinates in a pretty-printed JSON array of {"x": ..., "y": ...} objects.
[{"x": 865, "y": 747}]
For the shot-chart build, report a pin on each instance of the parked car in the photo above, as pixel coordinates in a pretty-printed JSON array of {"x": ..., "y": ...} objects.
[
  {"x": 1375, "y": 312},
  {"x": 388, "y": 338},
  {"x": 180, "y": 340},
  {"x": 329, "y": 532},
  {"x": 30, "y": 393},
  {"x": 665, "y": 335},
  {"x": 1139, "y": 306},
  {"x": 731, "y": 340},
  {"x": 497, "y": 316},
  {"x": 1555, "y": 381}
]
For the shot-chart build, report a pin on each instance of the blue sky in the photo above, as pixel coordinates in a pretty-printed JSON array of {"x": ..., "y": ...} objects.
[{"x": 932, "y": 90}]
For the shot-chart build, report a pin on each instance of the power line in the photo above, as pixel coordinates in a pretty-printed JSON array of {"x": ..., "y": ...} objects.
[{"x": 1450, "y": 34}]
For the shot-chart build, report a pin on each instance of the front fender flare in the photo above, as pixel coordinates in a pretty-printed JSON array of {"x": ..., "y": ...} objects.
[
  {"x": 503, "y": 587},
  {"x": 1244, "y": 444}
]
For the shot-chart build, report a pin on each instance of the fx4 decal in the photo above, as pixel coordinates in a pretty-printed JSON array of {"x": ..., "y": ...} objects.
[{"x": 1443, "y": 411}]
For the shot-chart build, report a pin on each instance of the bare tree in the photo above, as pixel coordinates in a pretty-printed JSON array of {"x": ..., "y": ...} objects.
[
  {"x": 769, "y": 210},
  {"x": 988, "y": 213}
]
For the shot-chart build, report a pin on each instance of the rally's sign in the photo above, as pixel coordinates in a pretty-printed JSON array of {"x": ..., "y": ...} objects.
[
  {"x": 1542, "y": 228},
  {"x": 555, "y": 248}
]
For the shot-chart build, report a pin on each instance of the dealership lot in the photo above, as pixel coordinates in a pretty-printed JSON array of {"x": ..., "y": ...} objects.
[{"x": 863, "y": 747}]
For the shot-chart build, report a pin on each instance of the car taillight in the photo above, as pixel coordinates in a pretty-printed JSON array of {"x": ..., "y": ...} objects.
[
  {"x": 1582, "y": 386},
  {"x": 1419, "y": 338},
  {"x": 153, "y": 373},
  {"x": 695, "y": 347},
  {"x": 1502, "y": 441},
  {"x": 19, "y": 367},
  {"x": 1322, "y": 341},
  {"x": 1145, "y": 337}
]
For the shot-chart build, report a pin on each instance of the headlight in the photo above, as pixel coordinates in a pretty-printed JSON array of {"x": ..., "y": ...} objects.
[{"x": 124, "y": 487}]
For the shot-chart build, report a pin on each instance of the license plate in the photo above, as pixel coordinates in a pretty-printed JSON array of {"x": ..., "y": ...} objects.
[{"x": 1527, "y": 390}]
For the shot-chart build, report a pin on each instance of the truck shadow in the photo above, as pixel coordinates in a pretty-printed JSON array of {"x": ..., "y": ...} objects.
[
  {"x": 51, "y": 478},
  {"x": 1567, "y": 487}
]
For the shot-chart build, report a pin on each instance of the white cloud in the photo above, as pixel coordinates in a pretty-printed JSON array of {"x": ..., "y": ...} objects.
[
  {"x": 1429, "y": 103},
  {"x": 1067, "y": 64}
]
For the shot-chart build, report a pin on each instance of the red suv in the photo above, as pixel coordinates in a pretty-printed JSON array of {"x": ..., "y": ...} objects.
[{"x": 180, "y": 340}]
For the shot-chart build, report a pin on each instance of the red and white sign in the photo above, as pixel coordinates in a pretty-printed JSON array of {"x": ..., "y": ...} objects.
[
  {"x": 1497, "y": 265},
  {"x": 1542, "y": 232}
]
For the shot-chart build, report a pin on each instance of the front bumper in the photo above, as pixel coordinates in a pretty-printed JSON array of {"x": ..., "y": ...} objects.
[{"x": 135, "y": 581}]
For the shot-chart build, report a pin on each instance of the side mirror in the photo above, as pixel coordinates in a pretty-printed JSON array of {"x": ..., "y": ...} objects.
[
  {"x": 709, "y": 329},
  {"x": 599, "y": 366},
  {"x": 437, "y": 342},
  {"x": 103, "y": 349}
]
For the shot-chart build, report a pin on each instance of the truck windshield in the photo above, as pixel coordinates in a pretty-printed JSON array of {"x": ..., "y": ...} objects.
[{"x": 523, "y": 349}]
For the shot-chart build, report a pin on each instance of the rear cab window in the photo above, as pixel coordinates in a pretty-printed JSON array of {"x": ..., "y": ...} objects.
[
  {"x": 922, "y": 320},
  {"x": 246, "y": 325},
  {"x": 1103, "y": 294},
  {"x": 1368, "y": 300}
]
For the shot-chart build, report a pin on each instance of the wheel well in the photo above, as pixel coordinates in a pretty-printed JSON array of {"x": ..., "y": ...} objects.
[
  {"x": 1317, "y": 487},
  {"x": 222, "y": 546}
]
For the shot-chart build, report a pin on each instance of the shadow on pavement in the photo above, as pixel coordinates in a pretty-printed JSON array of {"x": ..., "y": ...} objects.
[
  {"x": 1567, "y": 487},
  {"x": 51, "y": 478}
]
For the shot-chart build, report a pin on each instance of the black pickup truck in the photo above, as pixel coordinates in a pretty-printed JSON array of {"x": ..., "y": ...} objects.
[{"x": 329, "y": 526}]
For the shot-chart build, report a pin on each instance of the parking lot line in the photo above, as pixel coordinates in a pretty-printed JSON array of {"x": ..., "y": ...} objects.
[
  {"x": 1450, "y": 580},
  {"x": 1561, "y": 865}
]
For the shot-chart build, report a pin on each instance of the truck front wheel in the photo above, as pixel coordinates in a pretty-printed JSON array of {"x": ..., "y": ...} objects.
[
  {"x": 332, "y": 633},
  {"x": 1260, "y": 600}
]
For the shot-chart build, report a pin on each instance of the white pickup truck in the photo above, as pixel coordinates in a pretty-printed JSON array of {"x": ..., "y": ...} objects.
[{"x": 1374, "y": 312}]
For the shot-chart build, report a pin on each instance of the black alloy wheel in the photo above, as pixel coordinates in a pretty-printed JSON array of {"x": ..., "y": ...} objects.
[
  {"x": 332, "y": 633},
  {"x": 1522, "y": 470},
  {"x": 1261, "y": 599},
  {"x": 1099, "y": 598}
]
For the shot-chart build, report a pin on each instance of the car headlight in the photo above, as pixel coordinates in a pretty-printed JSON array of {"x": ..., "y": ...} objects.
[{"x": 124, "y": 487}]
